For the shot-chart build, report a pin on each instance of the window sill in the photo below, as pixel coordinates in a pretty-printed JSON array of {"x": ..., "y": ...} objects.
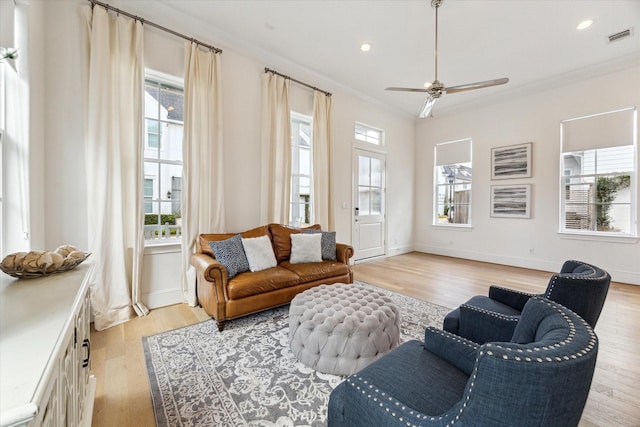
[
  {"x": 604, "y": 237},
  {"x": 457, "y": 227},
  {"x": 169, "y": 246}
]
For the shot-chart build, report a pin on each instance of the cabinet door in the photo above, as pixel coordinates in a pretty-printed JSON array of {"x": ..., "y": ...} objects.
[
  {"x": 67, "y": 382},
  {"x": 83, "y": 353},
  {"x": 48, "y": 411}
]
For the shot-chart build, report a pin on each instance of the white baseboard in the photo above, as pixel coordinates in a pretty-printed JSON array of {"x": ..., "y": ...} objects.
[
  {"x": 162, "y": 298},
  {"x": 622, "y": 276},
  {"x": 399, "y": 250}
]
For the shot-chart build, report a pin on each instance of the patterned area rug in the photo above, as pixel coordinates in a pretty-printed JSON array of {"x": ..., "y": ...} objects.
[{"x": 246, "y": 375}]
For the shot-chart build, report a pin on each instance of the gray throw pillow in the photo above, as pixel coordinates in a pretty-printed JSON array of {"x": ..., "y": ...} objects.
[
  {"x": 230, "y": 253},
  {"x": 327, "y": 244}
]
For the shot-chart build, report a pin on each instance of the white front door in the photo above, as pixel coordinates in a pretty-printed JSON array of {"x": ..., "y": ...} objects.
[{"x": 369, "y": 203}]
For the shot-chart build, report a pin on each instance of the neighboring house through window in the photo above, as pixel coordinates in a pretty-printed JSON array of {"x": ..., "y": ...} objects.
[
  {"x": 164, "y": 111},
  {"x": 301, "y": 212},
  {"x": 452, "y": 177},
  {"x": 598, "y": 174}
]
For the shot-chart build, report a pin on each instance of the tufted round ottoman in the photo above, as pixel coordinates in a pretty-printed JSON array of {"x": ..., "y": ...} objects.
[{"x": 341, "y": 328}]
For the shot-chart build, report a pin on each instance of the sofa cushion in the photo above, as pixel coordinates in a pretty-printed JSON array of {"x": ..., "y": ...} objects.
[
  {"x": 259, "y": 253},
  {"x": 312, "y": 271},
  {"x": 261, "y": 282},
  {"x": 204, "y": 239},
  {"x": 328, "y": 244},
  {"x": 305, "y": 248},
  {"x": 281, "y": 238},
  {"x": 230, "y": 253}
]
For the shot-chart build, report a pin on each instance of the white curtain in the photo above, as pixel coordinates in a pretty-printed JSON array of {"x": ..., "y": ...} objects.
[
  {"x": 202, "y": 161},
  {"x": 276, "y": 150},
  {"x": 322, "y": 162},
  {"x": 114, "y": 135}
]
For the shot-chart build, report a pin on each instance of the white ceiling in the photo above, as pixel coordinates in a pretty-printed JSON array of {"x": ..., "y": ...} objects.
[{"x": 533, "y": 42}]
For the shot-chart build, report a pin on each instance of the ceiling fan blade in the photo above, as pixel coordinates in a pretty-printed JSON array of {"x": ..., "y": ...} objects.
[
  {"x": 476, "y": 85},
  {"x": 408, "y": 89},
  {"x": 427, "y": 106}
]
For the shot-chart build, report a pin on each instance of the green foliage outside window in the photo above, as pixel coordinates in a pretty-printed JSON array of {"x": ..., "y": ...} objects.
[
  {"x": 152, "y": 219},
  {"x": 606, "y": 189}
]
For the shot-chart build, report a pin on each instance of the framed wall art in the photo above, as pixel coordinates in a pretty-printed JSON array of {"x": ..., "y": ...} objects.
[
  {"x": 511, "y": 201},
  {"x": 513, "y": 161}
]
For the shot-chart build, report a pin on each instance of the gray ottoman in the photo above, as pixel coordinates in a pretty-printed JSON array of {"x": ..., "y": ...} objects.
[{"x": 341, "y": 328}]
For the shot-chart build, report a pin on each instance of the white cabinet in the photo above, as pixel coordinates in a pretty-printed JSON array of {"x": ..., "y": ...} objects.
[{"x": 45, "y": 350}]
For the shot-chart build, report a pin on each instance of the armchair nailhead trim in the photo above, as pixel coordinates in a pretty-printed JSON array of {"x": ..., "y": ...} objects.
[
  {"x": 514, "y": 291},
  {"x": 592, "y": 275},
  {"x": 493, "y": 313}
]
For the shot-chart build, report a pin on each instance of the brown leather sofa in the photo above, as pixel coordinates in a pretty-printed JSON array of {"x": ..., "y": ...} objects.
[{"x": 249, "y": 292}]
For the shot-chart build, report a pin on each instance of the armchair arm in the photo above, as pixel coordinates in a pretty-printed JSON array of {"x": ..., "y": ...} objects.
[
  {"x": 456, "y": 350},
  {"x": 211, "y": 269},
  {"x": 510, "y": 297},
  {"x": 481, "y": 326},
  {"x": 211, "y": 285},
  {"x": 343, "y": 253}
]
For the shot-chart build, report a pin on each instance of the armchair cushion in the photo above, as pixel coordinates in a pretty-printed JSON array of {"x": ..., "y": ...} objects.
[{"x": 406, "y": 376}]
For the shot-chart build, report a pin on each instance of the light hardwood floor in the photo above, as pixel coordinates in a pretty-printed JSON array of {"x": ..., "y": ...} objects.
[{"x": 123, "y": 397}]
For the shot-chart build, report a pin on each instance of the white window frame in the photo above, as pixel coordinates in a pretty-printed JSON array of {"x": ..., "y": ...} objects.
[
  {"x": 369, "y": 137},
  {"x": 296, "y": 175},
  {"x": 451, "y": 185},
  {"x": 595, "y": 234},
  {"x": 166, "y": 80}
]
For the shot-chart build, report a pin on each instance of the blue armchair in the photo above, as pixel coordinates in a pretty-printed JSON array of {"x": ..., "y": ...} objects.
[
  {"x": 579, "y": 286},
  {"x": 540, "y": 378}
]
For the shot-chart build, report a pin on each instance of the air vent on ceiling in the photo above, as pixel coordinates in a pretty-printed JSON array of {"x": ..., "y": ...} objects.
[{"x": 620, "y": 35}]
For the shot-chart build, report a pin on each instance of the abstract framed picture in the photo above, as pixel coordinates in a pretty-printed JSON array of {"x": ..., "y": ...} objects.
[
  {"x": 513, "y": 161},
  {"x": 511, "y": 201}
]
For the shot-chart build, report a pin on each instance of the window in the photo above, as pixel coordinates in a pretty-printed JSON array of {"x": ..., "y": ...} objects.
[
  {"x": 164, "y": 110},
  {"x": 369, "y": 135},
  {"x": 598, "y": 174},
  {"x": 452, "y": 177},
  {"x": 301, "y": 212}
]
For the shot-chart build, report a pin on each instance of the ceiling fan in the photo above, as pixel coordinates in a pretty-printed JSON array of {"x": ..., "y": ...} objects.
[{"x": 436, "y": 88}]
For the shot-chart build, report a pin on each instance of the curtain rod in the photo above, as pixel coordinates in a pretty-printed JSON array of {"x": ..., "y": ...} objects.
[
  {"x": 160, "y": 27},
  {"x": 269, "y": 70}
]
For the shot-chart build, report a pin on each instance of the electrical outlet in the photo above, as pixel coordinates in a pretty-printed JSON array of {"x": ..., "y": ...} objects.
[{"x": 531, "y": 251}]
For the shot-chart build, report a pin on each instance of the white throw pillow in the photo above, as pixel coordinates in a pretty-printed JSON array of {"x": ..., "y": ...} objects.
[
  {"x": 259, "y": 253},
  {"x": 306, "y": 248}
]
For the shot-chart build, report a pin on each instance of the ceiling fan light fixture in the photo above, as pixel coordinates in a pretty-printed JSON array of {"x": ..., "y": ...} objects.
[
  {"x": 427, "y": 106},
  {"x": 365, "y": 47},
  {"x": 427, "y": 85}
]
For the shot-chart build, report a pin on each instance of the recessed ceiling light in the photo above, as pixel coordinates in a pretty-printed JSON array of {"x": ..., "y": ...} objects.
[
  {"x": 365, "y": 47},
  {"x": 584, "y": 24}
]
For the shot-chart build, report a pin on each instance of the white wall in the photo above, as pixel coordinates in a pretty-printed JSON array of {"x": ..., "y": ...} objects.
[
  {"x": 533, "y": 118},
  {"x": 65, "y": 210}
]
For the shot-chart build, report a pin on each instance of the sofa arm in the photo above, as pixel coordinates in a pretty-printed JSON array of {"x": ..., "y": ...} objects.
[
  {"x": 344, "y": 252},
  {"x": 510, "y": 297},
  {"x": 458, "y": 351},
  {"x": 481, "y": 326},
  {"x": 211, "y": 269}
]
